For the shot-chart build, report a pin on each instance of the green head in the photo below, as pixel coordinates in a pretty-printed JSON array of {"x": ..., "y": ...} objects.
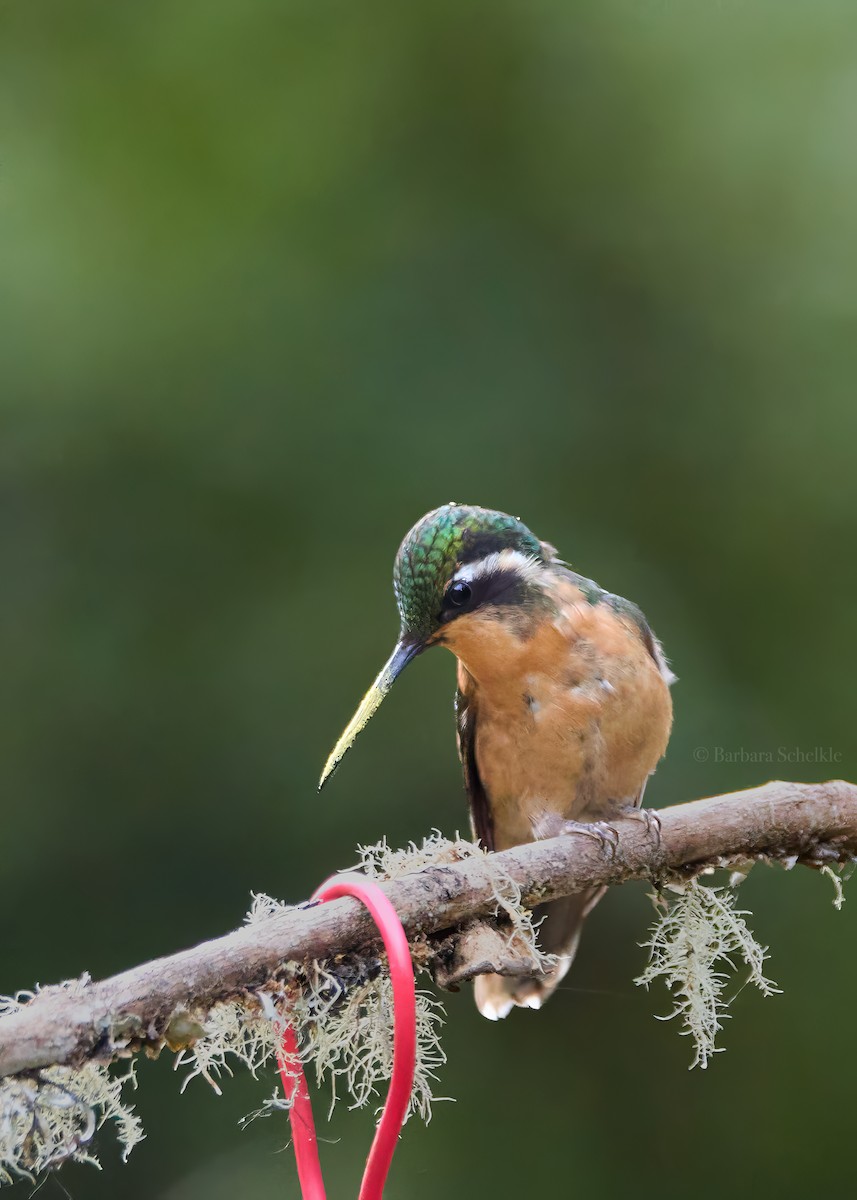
[
  {"x": 437, "y": 547},
  {"x": 457, "y": 558}
]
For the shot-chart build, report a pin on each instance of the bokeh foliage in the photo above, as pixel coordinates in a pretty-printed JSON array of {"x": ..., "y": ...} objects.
[{"x": 275, "y": 278}]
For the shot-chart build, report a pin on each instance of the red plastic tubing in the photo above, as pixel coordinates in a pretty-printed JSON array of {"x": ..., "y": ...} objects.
[{"x": 404, "y": 1054}]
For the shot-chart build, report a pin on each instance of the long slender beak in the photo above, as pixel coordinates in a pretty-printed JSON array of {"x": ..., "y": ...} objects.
[{"x": 405, "y": 650}]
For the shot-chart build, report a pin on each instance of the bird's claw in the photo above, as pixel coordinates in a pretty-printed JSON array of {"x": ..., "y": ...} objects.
[
  {"x": 552, "y": 826},
  {"x": 605, "y": 835},
  {"x": 651, "y": 820}
]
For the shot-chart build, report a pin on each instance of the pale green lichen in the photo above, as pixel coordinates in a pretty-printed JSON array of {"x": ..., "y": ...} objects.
[
  {"x": 264, "y": 906},
  {"x": 838, "y": 879},
  {"x": 345, "y": 1036},
  {"x": 51, "y": 1116},
  {"x": 381, "y": 862},
  {"x": 694, "y": 946},
  {"x": 344, "y": 1023},
  {"x": 352, "y": 1041},
  {"x": 231, "y": 1031}
]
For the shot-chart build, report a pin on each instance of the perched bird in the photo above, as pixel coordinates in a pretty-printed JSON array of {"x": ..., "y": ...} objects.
[{"x": 563, "y": 703}]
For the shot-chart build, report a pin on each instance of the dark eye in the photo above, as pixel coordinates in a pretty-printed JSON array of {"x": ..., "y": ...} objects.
[{"x": 458, "y": 594}]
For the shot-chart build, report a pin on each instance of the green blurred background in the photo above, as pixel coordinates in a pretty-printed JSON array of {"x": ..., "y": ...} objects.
[{"x": 275, "y": 278}]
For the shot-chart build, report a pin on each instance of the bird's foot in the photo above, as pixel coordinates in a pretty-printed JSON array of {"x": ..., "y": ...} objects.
[
  {"x": 651, "y": 820},
  {"x": 553, "y": 825}
]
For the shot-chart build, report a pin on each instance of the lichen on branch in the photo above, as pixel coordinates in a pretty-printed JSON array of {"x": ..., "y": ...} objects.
[
  {"x": 50, "y": 1117},
  {"x": 696, "y": 945},
  {"x": 319, "y": 966}
]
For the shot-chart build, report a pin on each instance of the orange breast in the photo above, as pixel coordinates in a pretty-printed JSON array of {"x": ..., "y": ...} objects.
[{"x": 571, "y": 719}]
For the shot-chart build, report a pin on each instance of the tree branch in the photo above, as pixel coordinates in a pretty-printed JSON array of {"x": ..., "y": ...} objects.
[{"x": 810, "y": 823}]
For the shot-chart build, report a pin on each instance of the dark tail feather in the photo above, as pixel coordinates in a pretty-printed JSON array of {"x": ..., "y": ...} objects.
[{"x": 559, "y": 934}]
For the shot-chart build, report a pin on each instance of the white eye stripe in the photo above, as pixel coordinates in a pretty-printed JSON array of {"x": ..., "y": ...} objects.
[{"x": 525, "y": 565}]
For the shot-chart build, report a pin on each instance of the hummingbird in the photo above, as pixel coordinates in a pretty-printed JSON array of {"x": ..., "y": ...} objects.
[{"x": 563, "y": 707}]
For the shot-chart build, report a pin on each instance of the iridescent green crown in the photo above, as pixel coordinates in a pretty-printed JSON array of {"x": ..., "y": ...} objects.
[{"x": 441, "y": 542}]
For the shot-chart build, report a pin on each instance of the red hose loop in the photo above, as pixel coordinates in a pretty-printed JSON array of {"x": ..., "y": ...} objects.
[{"x": 404, "y": 1053}]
